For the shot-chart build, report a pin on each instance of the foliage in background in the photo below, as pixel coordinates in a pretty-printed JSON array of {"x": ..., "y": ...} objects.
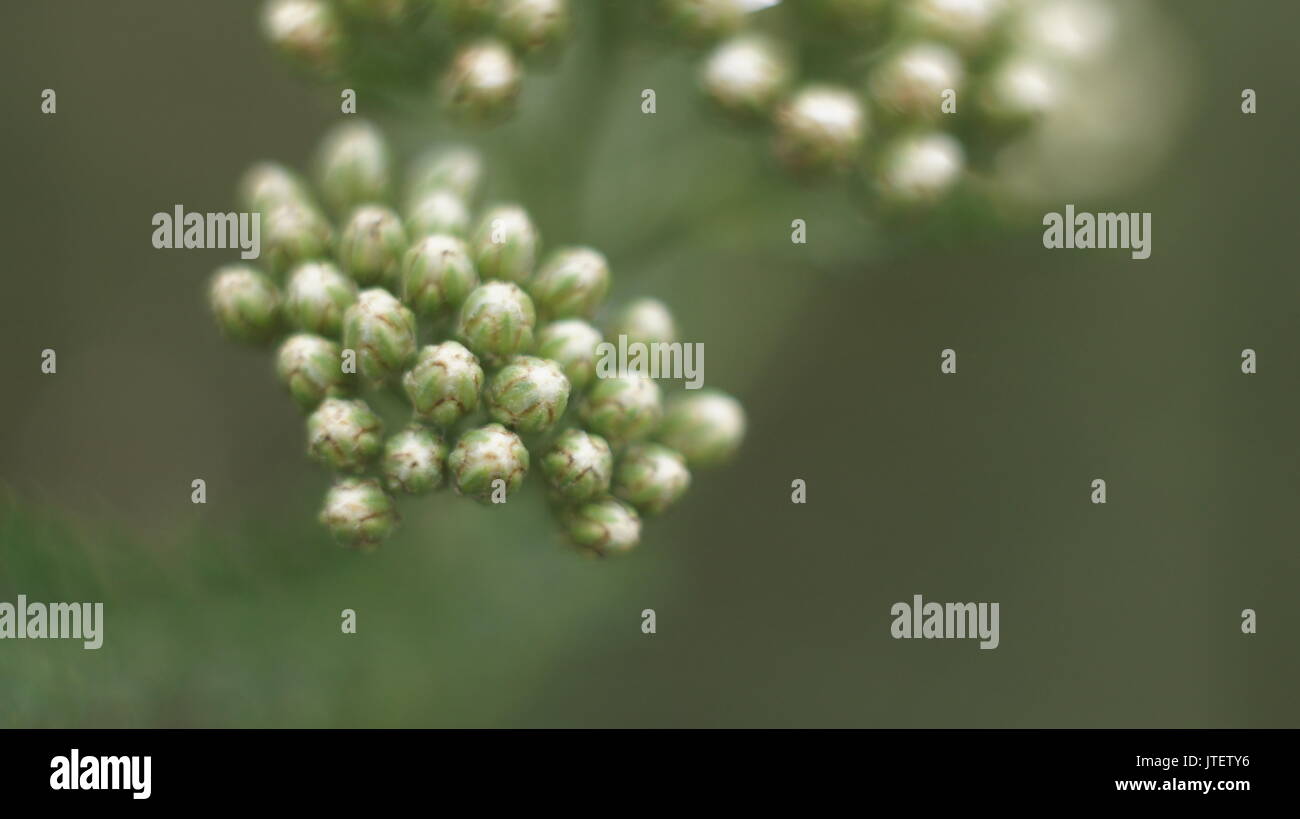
[{"x": 457, "y": 627}]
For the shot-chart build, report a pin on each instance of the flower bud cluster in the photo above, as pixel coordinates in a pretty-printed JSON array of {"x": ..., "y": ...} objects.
[
  {"x": 471, "y": 54},
  {"x": 914, "y": 97},
  {"x": 491, "y": 343},
  {"x": 912, "y": 100}
]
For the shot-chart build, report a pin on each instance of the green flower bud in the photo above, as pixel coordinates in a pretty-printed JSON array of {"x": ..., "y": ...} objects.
[
  {"x": 571, "y": 343},
  {"x": 306, "y": 31},
  {"x": 529, "y": 394},
  {"x": 457, "y": 168},
  {"x": 359, "y": 513},
  {"x": 1019, "y": 91},
  {"x": 482, "y": 83},
  {"x": 316, "y": 297},
  {"x": 496, "y": 321},
  {"x": 353, "y": 166},
  {"x": 572, "y": 282},
  {"x": 310, "y": 367},
  {"x": 578, "y": 465},
  {"x": 746, "y": 75},
  {"x": 505, "y": 244},
  {"x": 292, "y": 233},
  {"x": 920, "y": 169},
  {"x": 438, "y": 212},
  {"x": 413, "y": 461},
  {"x": 624, "y": 408},
  {"x": 603, "y": 527},
  {"x": 911, "y": 82},
  {"x": 372, "y": 245},
  {"x": 967, "y": 24},
  {"x": 651, "y": 477},
  {"x": 820, "y": 128},
  {"x": 382, "y": 332},
  {"x": 533, "y": 26},
  {"x": 437, "y": 275},
  {"x": 268, "y": 184},
  {"x": 705, "y": 19},
  {"x": 444, "y": 384},
  {"x": 705, "y": 427},
  {"x": 245, "y": 303},
  {"x": 645, "y": 320},
  {"x": 344, "y": 435},
  {"x": 484, "y": 455}
]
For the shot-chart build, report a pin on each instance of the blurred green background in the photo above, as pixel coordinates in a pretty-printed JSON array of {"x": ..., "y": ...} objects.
[{"x": 975, "y": 487}]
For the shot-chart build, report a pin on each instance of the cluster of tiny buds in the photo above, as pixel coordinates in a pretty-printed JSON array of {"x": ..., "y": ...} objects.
[
  {"x": 916, "y": 93},
  {"x": 491, "y": 346},
  {"x": 481, "y": 76},
  {"x": 914, "y": 97}
]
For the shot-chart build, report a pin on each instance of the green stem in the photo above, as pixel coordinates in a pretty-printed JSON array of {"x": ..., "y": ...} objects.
[{"x": 590, "y": 108}]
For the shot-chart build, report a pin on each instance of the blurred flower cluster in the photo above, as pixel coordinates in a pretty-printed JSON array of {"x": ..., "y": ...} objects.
[
  {"x": 489, "y": 348},
  {"x": 908, "y": 99},
  {"x": 475, "y": 49}
]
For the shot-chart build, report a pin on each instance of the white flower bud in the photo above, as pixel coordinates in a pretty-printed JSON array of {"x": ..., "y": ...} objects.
[
  {"x": 920, "y": 169},
  {"x": 309, "y": 367},
  {"x": 353, "y": 166},
  {"x": 359, "y": 513},
  {"x": 533, "y": 27},
  {"x": 746, "y": 74},
  {"x": 306, "y": 31},
  {"x": 603, "y": 527},
  {"x": 245, "y": 303},
  {"x": 372, "y": 245},
  {"x": 496, "y": 321},
  {"x": 911, "y": 82},
  {"x": 382, "y": 332},
  {"x": 505, "y": 244},
  {"x": 1020, "y": 89},
  {"x": 644, "y": 320},
  {"x": 483, "y": 82},
  {"x": 571, "y": 343},
  {"x": 437, "y": 211},
  {"x": 316, "y": 297},
  {"x": 456, "y": 168},
  {"x": 706, "y": 427},
  {"x": 268, "y": 184},
  {"x": 413, "y": 460},
  {"x": 344, "y": 435},
  {"x": 820, "y": 128}
]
